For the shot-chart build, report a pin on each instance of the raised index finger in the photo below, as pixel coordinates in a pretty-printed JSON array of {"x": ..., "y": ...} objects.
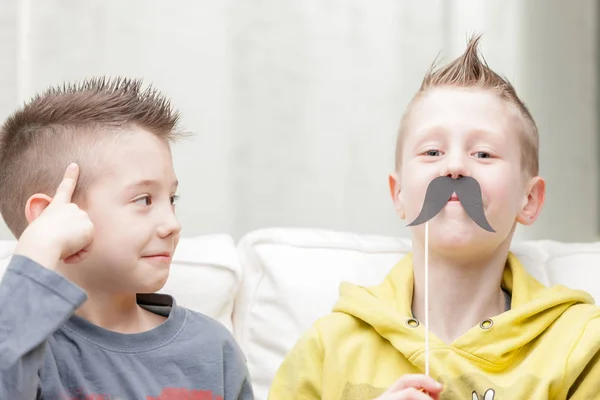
[{"x": 65, "y": 190}]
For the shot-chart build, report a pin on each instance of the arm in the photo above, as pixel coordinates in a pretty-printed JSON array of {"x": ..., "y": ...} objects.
[
  {"x": 35, "y": 302},
  {"x": 301, "y": 373}
]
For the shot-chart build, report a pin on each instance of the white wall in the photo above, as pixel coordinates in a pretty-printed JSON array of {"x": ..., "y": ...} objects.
[{"x": 295, "y": 105}]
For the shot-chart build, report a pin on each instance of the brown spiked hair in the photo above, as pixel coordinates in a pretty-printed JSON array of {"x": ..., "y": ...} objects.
[{"x": 69, "y": 123}]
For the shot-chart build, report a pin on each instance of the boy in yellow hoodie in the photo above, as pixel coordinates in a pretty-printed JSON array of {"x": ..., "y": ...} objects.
[{"x": 495, "y": 333}]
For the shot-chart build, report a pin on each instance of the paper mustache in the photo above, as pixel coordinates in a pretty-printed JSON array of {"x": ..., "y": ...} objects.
[{"x": 440, "y": 190}]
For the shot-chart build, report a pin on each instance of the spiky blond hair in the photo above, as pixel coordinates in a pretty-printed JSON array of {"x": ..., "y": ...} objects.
[{"x": 470, "y": 70}]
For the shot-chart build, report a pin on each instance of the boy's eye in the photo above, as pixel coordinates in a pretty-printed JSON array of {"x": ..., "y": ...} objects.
[
  {"x": 482, "y": 154},
  {"x": 174, "y": 200},
  {"x": 144, "y": 201},
  {"x": 432, "y": 153}
]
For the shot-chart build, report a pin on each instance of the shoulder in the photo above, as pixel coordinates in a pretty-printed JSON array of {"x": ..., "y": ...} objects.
[
  {"x": 340, "y": 322},
  {"x": 586, "y": 314},
  {"x": 583, "y": 365},
  {"x": 333, "y": 329},
  {"x": 206, "y": 328},
  {"x": 578, "y": 319},
  {"x": 584, "y": 322},
  {"x": 212, "y": 335}
]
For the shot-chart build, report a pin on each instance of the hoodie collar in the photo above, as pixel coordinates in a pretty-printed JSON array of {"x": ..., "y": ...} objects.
[{"x": 387, "y": 308}]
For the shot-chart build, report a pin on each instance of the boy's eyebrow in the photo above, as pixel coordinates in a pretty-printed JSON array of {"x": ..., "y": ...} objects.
[
  {"x": 149, "y": 183},
  {"x": 429, "y": 131},
  {"x": 438, "y": 130}
]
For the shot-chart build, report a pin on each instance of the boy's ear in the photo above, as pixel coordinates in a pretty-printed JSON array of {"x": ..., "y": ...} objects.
[
  {"x": 36, "y": 204},
  {"x": 532, "y": 205},
  {"x": 395, "y": 191}
]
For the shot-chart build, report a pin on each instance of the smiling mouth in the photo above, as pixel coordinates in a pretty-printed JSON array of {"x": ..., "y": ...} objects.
[{"x": 165, "y": 257}]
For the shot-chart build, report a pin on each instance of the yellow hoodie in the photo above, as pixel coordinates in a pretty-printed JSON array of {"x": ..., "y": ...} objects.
[{"x": 547, "y": 346}]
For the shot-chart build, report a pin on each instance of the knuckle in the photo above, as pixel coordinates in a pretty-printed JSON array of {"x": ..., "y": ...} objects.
[{"x": 88, "y": 225}]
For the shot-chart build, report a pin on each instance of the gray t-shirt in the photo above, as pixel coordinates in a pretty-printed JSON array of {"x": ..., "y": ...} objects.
[{"x": 47, "y": 352}]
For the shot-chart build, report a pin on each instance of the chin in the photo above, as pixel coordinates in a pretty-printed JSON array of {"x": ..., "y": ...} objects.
[
  {"x": 153, "y": 274},
  {"x": 157, "y": 284},
  {"x": 450, "y": 245},
  {"x": 152, "y": 281},
  {"x": 464, "y": 243},
  {"x": 457, "y": 237}
]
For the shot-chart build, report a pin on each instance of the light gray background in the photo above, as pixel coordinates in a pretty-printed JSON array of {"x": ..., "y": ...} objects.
[{"x": 295, "y": 104}]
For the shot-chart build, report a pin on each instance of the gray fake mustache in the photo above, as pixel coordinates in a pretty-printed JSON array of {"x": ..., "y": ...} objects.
[{"x": 439, "y": 192}]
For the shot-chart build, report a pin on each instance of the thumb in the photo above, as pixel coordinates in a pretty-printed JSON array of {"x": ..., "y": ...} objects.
[{"x": 65, "y": 190}]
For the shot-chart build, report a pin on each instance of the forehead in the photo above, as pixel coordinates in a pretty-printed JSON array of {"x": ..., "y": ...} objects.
[
  {"x": 459, "y": 111},
  {"x": 136, "y": 155}
]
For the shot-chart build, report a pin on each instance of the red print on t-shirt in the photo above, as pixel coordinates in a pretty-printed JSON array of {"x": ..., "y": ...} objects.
[
  {"x": 184, "y": 394},
  {"x": 166, "y": 394}
]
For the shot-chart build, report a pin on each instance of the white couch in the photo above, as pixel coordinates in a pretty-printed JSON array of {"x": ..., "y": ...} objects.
[{"x": 268, "y": 288}]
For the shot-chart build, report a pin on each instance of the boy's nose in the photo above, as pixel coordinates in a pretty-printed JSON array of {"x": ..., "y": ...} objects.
[
  {"x": 170, "y": 225},
  {"x": 455, "y": 168},
  {"x": 455, "y": 175}
]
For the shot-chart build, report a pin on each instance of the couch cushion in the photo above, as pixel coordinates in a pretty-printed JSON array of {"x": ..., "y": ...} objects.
[
  {"x": 575, "y": 265},
  {"x": 204, "y": 277},
  {"x": 292, "y": 277}
]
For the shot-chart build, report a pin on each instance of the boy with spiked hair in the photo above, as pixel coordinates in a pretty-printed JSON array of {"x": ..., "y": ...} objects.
[
  {"x": 466, "y": 159},
  {"x": 87, "y": 186}
]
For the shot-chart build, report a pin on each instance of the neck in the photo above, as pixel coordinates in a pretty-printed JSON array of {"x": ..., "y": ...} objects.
[
  {"x": 117, "y": 313},
  {"x": 463, "y": 291}
]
